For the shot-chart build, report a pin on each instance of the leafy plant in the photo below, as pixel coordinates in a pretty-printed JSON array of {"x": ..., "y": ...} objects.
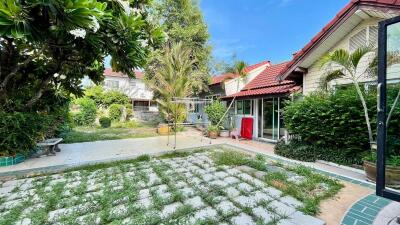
[
  {"x": 215, "y": 111},
  {"x": 86, "y": 115},
  {"x": 105, "y": 122},
  {"x": 114, "y": 112},
  {"x": 213, "y": 128}
]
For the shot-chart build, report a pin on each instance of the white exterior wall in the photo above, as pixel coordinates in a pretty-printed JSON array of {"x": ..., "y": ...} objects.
[
  {"x": 312, "y": 80},
  {"x": 134, "y": 88},
  {"x": 231, "y": 86}
]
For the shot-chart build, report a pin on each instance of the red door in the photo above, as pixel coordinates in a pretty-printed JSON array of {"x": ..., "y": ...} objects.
[{"x": 247, "y": 128}]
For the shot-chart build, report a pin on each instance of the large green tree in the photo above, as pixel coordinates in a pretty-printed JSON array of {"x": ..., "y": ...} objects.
[
  {"x": 48, "y": 46},
  {"x": 183, "y": 22}
]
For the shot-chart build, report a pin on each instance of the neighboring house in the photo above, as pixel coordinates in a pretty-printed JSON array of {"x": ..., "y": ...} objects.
[
  {"x": 134, "y": 88},
  {"x": 356, "y": 25}
]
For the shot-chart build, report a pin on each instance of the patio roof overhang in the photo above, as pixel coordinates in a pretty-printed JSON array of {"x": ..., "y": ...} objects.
[
  {"x": 271, "y": 91},
  {"x": 343, "y": 23}
]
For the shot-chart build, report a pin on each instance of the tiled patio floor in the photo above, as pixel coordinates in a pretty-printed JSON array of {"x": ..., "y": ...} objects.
[{"x": 188, "y": 190}]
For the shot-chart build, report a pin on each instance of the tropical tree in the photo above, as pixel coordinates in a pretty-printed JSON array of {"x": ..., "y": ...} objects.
[
  {"x": 355, "y": 67},
  {"x": 174, "y": 78},
  {"x": 239, "y": 69},
  {"x": 183, "y": 21},
  {"x": 47, "y": 47}
]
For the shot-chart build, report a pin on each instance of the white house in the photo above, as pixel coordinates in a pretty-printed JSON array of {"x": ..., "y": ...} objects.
[{"x": 135, "y": 88}]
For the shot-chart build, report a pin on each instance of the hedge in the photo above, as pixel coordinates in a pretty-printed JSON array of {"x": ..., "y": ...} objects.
[
  {"x": 332, "y": 126},
  {"x": 87, "y": 112}
]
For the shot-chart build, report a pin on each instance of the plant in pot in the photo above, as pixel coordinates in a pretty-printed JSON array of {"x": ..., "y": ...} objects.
[
  {"x": 215, "y": 112},
  {"x": 345, "y": 65},
  {"x": 213, "y": 131}
]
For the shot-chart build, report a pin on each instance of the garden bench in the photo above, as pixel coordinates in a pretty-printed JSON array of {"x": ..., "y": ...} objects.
[{"x": 51, "y": 145}]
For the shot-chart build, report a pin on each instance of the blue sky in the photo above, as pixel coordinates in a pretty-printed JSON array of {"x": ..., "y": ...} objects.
[{"x": 257, "y": 30}]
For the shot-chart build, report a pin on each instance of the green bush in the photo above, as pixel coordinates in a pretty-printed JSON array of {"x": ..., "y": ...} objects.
[
  {"x": 115, "y": 97},
  {"x": 86, "y": 115},
  {"x": 334, "y": 123},
  {"x": 105, "y": 122},
  {"x": 302, "y": 151},
  {"x": 19, "y": 131},
  {"x": 215, "y": 111},
  {"x": 114, "y": 112},
  {"x": 105, "y": 98}
]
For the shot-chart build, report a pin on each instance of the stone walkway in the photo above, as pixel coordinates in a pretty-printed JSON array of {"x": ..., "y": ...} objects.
[{"x": 189, "y": 190}]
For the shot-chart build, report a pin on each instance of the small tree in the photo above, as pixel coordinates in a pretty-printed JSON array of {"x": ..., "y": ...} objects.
[
  {"x": 355, "y": 67},
  {"x": 215, "y": 111}
]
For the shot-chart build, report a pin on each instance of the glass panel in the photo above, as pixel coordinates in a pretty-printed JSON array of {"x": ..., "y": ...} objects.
[
  {"x": 393, "y": 106},
  {"x": 239, "y": 107},
  {"x": 270, "y": 126},
  {"x": 260, "y": 117},
  {"x": 247, "y": 107}
]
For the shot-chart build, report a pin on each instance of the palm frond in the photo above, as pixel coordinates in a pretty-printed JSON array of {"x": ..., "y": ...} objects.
[
  {"x": 358, "y": 54},
  {"x": 330, "y": 77}
]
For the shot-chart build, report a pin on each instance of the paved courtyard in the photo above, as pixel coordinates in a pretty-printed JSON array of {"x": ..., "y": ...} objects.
[{"x": 184, "y": 190}]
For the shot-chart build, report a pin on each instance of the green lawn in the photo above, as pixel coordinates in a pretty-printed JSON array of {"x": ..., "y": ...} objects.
[{"x": 116, "y": 131}]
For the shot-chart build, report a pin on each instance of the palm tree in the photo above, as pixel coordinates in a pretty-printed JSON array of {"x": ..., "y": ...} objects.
[
  {"x": 355, "y": 67},
  {"x": 174, "y": 78},
  {"x": 240, "y": 69}
]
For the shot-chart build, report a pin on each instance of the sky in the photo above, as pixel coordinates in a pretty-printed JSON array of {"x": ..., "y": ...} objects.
[{"x": 258, "y": 30}]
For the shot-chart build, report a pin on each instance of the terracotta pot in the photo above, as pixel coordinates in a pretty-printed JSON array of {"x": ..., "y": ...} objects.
[
  {"x": 224, "y": 133},
  {"x": 212, "y": 134},
  {"x": 163, "y": 129},
  {"x": 392, "y": 173}
]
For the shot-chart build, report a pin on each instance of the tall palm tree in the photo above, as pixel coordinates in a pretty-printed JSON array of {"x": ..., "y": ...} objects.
[
  {"x": 240, "y": 69},
  {"x": 174, "y": 78},
  {"x": 354, "y": 67}
]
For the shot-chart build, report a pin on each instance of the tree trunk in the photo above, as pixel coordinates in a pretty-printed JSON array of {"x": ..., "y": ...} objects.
[
  {"x": 364, "y": 104},
  {"x": 39, "y": 93}
]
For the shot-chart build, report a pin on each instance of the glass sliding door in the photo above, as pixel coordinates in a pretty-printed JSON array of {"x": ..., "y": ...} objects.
[{"x": 270, "y": 115}]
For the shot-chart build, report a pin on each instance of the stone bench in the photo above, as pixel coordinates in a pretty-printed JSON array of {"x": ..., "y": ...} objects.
[{"x": 50, "y": 146}]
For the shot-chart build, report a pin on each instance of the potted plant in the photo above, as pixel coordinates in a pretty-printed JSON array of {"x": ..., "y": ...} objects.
[
  {"x": 215, "y": 112},
  {"x": 213, "y": 131},
  {"x": 392, "y": 170}
]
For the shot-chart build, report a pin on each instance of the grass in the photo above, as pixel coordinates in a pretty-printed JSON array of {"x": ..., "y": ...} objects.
[
  {"x": 117, "y": 131},
  {"x": 309, "y": 191}
]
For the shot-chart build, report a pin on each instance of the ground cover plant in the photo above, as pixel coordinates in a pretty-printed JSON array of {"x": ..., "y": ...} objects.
[
  {"x": 115, "y": 132},
  {"x": 201, "y": 187}
]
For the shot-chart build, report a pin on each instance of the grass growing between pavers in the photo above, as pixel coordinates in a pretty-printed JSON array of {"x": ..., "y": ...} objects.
[
  {"x": 198, "y": 187},
  {"x": 296, "y": 181}
]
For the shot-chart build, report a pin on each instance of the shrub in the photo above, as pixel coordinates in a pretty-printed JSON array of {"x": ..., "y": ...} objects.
[
  {"x": 115, "y": 97},
  {"x": 114, "y": 112},
  {"x": 332, "y": 121},
  {"x": 215, "y": 111},
  {"x": 105, "y": 122},
  {"x": 302, "y": 151},
  {"x": 87, "y": 112},
  {"x": 19, "y": 131}
]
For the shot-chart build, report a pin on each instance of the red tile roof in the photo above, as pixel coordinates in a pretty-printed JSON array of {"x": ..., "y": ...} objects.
[
  {"x": 350, "y": 8},
  {"x": 267, "y": 77},
  {"x": 266, "y": 83},
  {"x": 108, "y": 72},
  {"x": 221, "y": 78},
  {"x": 273, "y": 90}
]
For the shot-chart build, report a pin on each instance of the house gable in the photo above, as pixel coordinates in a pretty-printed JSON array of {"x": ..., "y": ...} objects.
[{"x": 356, "y": 16}]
